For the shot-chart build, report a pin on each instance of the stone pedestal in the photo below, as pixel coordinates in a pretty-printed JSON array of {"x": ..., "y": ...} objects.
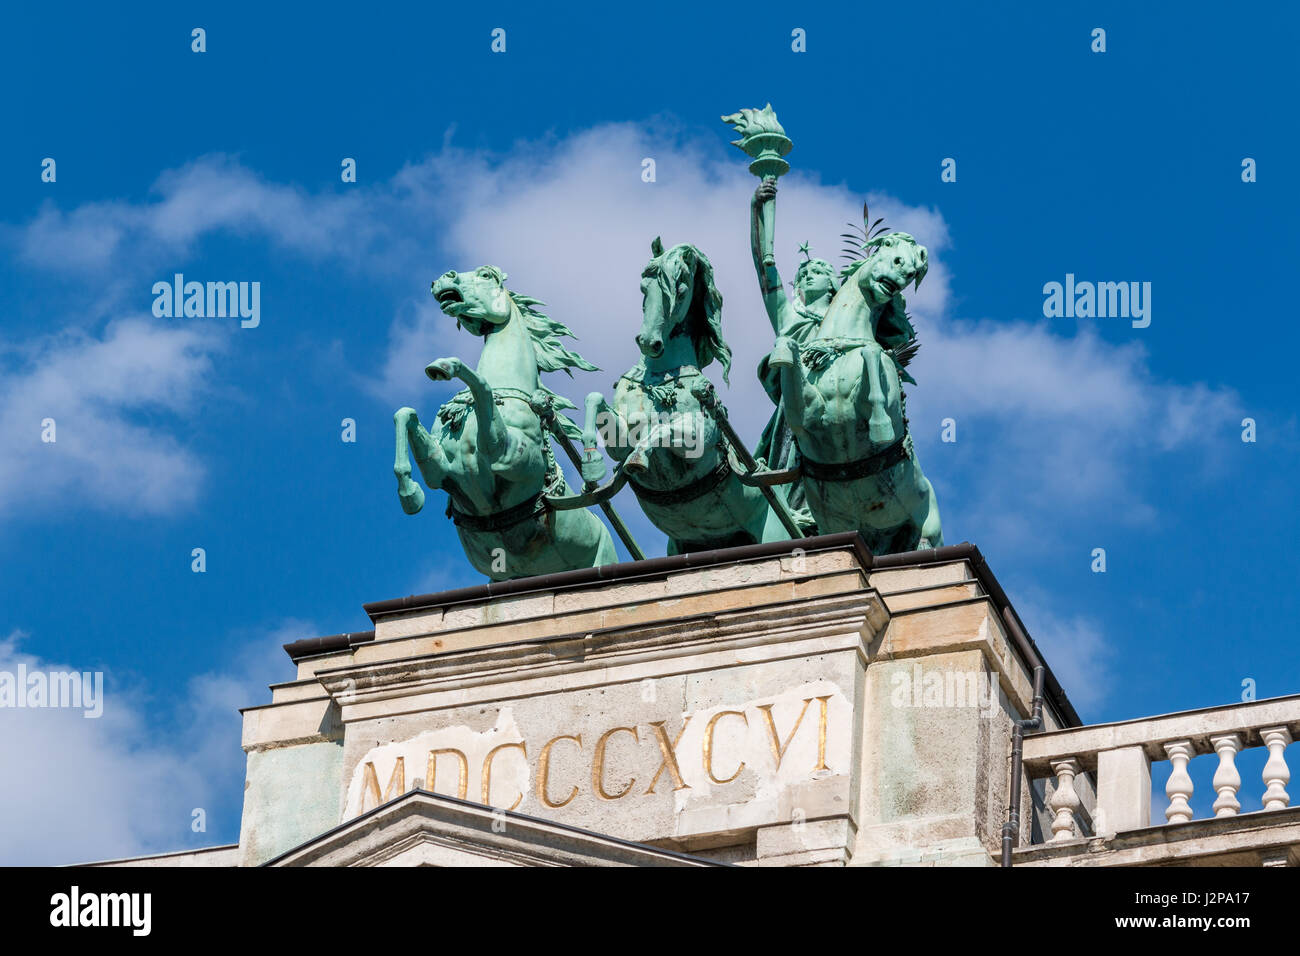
[{"x": 781, "y": 705}]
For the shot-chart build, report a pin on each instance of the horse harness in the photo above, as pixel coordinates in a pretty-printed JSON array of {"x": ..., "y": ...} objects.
[
  {"x": 456, "y": 408},
  {"x": 453, "y": 412},
  {"x": 499, "y": 520},
  {"x": 873, "y": 464},
  {"x": 665, "y": 393},
  {"x": 689, "y": 492}
]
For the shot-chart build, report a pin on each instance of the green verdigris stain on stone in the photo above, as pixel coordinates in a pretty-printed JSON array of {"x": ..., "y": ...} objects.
[{"x": 291, "y": 795}]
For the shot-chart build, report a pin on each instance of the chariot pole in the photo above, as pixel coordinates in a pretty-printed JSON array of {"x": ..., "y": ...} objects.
[
  {"x": 546, "y": 412},
  {"x": 708, "y": 399}
]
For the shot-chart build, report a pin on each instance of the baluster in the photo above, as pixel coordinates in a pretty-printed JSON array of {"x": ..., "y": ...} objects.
[
  {"x": 1227, "y": 781},
  {"x": 1276, "y": 774},
  {"x": 1065, "y": 800},
  {"x": 1179, "y": 787}
]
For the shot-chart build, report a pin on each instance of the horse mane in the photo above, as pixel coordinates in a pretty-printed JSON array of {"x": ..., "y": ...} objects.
[
  {"x": 704, "y": 317},
  {"x": 552, "y": 355}
]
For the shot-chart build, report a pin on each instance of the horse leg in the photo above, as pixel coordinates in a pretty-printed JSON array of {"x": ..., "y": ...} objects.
[
  {"x": 493, "y": 436},
  {"x": 880, "y": 429},
  {"x": 637, "y": 461},
  {"x": 931, "y": 528},
  {"x": 593, "y": 463},
  {"x": 688, "y": 435},
  {"x": 785, "y": 358},
  {"x": 411, "y": 436}
]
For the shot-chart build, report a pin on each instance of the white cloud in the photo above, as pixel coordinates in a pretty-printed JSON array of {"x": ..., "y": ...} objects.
[
  {"x": 211, "y": 194},
  {"x": 126, "y": 783},
  {"x": 400, "y": 379},
  {"x": 79, "y": 788},
  {"x": 94, "y": 387},
  {"x": 1078, "y": 425}
]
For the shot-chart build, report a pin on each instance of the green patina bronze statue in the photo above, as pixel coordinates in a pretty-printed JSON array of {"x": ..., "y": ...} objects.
[
  {"x": 490, "y": 450},
  {"x": 841, "y": 396},
  {"x": 666, "y": 438},
  {"x": 836, "y": 372},
  {"x": 835, "y": 456}
]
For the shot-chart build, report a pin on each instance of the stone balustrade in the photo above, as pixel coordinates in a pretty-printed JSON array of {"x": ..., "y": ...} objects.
[{"x": 1117, "y": 758}]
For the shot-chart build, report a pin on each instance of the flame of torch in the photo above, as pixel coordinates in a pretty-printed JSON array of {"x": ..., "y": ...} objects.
[{"x": 765, "y": 143}]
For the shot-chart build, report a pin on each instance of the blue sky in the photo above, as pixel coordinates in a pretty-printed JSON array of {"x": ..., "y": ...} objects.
[{"x": 1073, "y": 434}]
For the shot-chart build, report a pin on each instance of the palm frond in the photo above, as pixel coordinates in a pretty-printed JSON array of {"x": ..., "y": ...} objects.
[{"x": 905, "y": 353}]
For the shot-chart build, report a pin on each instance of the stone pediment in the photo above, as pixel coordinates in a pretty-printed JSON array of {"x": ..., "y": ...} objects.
[{"x": 427, "y": 829}]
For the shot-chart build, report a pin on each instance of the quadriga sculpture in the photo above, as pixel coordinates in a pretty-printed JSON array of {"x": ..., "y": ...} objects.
[
  {"x": 488, "y": 449},
  {"x": 668, "y": 446}
]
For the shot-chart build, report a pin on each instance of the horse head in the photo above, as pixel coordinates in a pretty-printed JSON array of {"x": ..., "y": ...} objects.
[
  {"x": 896, "y": 261},
  {"x": 477, "y": 300},
  {"x": 679, "y": 298}
]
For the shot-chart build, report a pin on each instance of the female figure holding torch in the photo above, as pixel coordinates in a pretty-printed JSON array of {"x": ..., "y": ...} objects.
[
  {"x": 764, "y": 141},
  {"x": 814, "y": 287}
]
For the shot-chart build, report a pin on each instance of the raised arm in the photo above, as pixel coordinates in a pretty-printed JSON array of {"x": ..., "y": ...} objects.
[{"x": 775, "y": 299}]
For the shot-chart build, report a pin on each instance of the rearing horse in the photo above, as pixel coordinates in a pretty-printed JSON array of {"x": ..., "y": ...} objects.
[
  {"x": 670, "y": 448},
  {"x": 489, "y": 451},
  {"x": 843, "y": 399}
]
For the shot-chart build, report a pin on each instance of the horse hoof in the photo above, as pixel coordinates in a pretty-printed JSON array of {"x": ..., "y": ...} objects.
[
  {"x": 782, "y": 355},
  {"x": 593, "y": 468},
  {"x": 439, "y": 371},
  {"x": 413, "y": 500}
]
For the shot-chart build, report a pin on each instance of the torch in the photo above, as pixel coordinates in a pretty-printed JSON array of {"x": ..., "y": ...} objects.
[{"x": 764, "y": 142}]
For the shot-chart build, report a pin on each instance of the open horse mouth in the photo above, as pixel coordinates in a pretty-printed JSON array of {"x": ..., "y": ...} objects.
[
  {"x": 888, "y": 284},
  {"x": 448, "y": 297}
]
